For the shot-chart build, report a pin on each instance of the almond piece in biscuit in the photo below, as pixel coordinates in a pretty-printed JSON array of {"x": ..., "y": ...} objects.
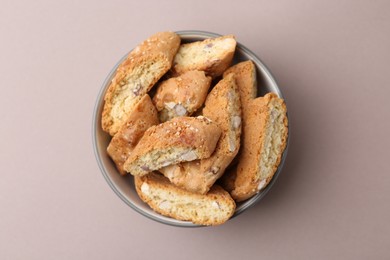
[
  {"x": 212, "y": 56},
  {"x": 224, "y": 108},
  {"x": 144, "y": 66},
  {"x": 266, "y": 131},
  {"x": 214, "y": 208},
  {"x": 143, "y": 116},
  {"x": 181, "y": 96},
  {"x": 178, "y": 140}
]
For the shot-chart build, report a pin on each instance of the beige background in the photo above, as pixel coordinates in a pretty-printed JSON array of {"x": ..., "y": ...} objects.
[{"x": 331, "y": 59}]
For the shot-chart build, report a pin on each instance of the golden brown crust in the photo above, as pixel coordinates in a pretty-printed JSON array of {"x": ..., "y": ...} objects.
[
  {"x": 143, "y": 116},
  {"x": 245, "y": 73},
  {"x": 180, "y": 139},
  {"x": 212, "y": 56},
  {"x": 266, "y": 130},
  {"x": 223, "y": 107},
  {"x": 165, "y": 43},
  {"x": 144, "y": 66},
  {"x": 214, "y": 208},
  {"x": 182, "y": 95}
]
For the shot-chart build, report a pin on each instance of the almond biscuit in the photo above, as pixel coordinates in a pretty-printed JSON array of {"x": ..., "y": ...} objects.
[
  {"x": 266, "y": 131},
  {"x": 182, "y": 95},
  {"x": 214, "y": 208},
  {"x": 178, "y": 140},
  {"x": 143, "y": 116},
  {"x": 144, "y": 66},
  {"x": 212, "y": 56}
]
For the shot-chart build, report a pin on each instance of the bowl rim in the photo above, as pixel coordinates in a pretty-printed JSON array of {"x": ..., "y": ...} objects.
[{"x": 186, "y": 34}]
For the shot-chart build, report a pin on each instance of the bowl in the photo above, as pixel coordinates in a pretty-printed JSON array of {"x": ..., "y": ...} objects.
[{"x": 123, "y": 186}]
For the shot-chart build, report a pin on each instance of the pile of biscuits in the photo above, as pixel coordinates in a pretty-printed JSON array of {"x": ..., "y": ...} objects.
[{"x": 182, "y": 119}]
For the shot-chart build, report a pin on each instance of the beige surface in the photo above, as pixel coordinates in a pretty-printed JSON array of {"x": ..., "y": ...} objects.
[{"x": 332, "y": 200}]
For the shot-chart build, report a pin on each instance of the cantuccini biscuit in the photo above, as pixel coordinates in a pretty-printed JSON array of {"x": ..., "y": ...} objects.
[
  {"x": 178, "y": 140},
  {"x": 266, "y": 130},
  {"x": 214, "y": 208},
  {"x": 143, "y": 116},
  {"x": 144, "y": 66},
  {"x": 212, "y": 56},
  {"x": 182, "y": 95},
  {"x": 245, "y": 74}
]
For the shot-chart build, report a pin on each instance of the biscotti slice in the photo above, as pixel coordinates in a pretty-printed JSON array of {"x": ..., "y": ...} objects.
[
  {"x": 245, "y": 74},
  {"x": 181, "y": 96},
  {"x": 144, "y": 66},
  {"x": 214, "y": 208},
  {"x": 143, "y": 116},
  {"x": 224, "y": 108},
  {"x": 178, "y": 140},
  {"x": 266, "y": 130},
  {"x": 161, "y": 42},
  {"x": 212, "y": 56}
]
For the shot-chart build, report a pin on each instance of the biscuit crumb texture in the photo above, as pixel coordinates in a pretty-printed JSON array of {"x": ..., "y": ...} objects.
[{"x": 214, "y": 208}]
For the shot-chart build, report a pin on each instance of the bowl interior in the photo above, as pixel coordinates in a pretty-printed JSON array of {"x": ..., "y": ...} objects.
[{"x": 123, "y": 186}]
